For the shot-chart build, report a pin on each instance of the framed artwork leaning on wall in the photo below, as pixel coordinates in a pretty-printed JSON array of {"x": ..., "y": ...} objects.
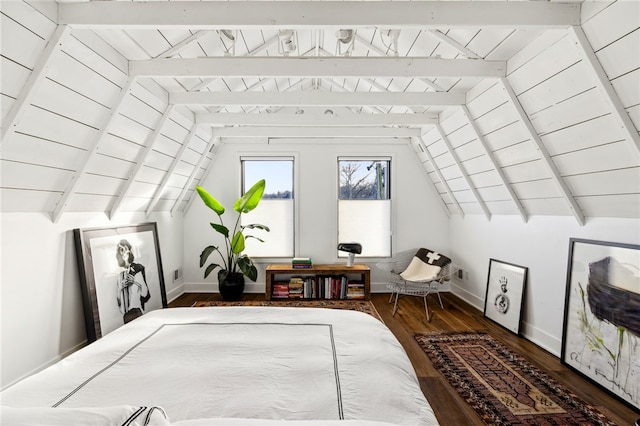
[
  {"x": 120, "y": 275},
  {"x": 601, "y": 332},
  {"x": 505, "y": 294}
]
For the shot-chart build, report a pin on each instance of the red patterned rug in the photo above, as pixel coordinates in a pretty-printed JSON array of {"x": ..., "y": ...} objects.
[
  {"x": 365, "y": 306},
  {"x": 501, "y": 386}
]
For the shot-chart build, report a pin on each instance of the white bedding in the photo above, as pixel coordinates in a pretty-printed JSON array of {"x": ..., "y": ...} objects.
[{"x": 239, "y": 362}]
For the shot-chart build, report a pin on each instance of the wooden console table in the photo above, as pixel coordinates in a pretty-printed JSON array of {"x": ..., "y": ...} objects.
[{"x": 361, "y": 270}]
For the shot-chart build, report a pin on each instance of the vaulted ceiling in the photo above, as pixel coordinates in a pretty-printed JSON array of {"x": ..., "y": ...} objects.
[{"x": 513, "y": 107}]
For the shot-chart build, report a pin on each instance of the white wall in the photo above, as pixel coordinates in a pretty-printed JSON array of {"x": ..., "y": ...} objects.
[
  {"x": 542, "y": 245},
  {"x": 42, "y": 318},
  {"x": 419, "y": 218}
]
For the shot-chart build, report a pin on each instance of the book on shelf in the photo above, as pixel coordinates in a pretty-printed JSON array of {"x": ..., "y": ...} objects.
[
  {"x": 319, "y": 286},
  {"x": 280, "y": 290},
  {"x": 301, "y": 263}
]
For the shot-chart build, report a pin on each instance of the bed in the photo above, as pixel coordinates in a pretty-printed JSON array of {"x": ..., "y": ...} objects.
[{"x": 232, "y": 365}]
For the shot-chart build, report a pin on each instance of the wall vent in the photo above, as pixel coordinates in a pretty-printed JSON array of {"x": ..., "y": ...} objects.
[{"x": 177, "y": 275}]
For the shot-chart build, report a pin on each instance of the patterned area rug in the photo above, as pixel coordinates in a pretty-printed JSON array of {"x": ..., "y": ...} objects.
[
  {"x": 501, "y": 386},
  {"x": 365, "y": 306}
]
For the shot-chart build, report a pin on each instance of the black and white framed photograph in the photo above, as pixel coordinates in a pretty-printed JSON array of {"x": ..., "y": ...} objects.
[
  {"x": 120, "y": 274},
  {"x": 505, "y": 294},
  {"x": 601, "y": 333}
]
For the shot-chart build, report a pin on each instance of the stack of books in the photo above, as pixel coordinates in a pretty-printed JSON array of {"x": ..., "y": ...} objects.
[
  {"x": 301, "y": 263},
  {"x": 281, "y": 290},
  {"x": 355, "y": 290},
  {"x": 296, "y": 290}
]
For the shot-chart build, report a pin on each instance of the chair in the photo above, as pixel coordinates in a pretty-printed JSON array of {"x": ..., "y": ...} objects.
[{"x": 422, "y": 273}]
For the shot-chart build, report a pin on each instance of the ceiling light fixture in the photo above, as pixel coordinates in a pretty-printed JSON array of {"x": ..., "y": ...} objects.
[
  {"x": 390, "y": 40},
  {"x": 287, "y": 43},
  {"x": 227, "y": 37},
  {"x": 345, "y": 39}
]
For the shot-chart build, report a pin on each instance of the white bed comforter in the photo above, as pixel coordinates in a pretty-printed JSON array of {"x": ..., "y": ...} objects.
[{"x": 239, "y": 362}]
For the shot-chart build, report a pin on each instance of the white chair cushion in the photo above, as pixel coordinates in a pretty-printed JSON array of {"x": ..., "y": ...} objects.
[{"x": 420, "y": 271}]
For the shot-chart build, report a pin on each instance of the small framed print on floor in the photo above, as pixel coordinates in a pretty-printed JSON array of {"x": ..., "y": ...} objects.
[
  {"x": 120, "y": 275},
  {"x": 505, "y": 294}
]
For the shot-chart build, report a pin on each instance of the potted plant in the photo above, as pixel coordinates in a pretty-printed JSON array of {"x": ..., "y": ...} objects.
[{"x": 235, "y": 265}]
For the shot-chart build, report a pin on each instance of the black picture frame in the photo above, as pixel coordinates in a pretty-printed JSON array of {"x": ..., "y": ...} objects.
[
  {"x": 121, "y": 275},
  {"x": 601, "y": 329},
  {"x": 504, "y": 297}
]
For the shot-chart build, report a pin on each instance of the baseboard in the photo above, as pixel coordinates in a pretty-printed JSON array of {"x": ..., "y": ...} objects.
[
  {"x": 541, "y": 338},
  {"x": 467, "y": 296},
  {"x": 175, "y": 293},
  {"x": 249, "y": 287}
]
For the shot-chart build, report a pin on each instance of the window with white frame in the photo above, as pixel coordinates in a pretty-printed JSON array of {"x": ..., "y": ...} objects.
[
  {"x": 276, "y": 209},
  {"x": 364, "y": 204}
]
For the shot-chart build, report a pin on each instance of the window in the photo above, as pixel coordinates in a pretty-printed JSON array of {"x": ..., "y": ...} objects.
[
  {"x": 276, "y": 209},
  {"x": 364, "y": 205}
]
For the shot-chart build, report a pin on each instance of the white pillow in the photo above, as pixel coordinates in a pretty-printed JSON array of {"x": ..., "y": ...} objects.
[{"x": 420, "y": 271}]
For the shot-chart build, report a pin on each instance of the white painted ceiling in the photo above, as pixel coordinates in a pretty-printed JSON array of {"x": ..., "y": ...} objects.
[{"x": 513, "y": 107}]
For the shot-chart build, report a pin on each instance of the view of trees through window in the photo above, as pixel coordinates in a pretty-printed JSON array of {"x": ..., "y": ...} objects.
[
  {"x": 364, "y": 179},
  {"x": 364, "y": 205}
]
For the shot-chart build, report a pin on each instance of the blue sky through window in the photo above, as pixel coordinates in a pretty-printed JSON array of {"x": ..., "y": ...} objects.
[{"x": 277, "y": 173}]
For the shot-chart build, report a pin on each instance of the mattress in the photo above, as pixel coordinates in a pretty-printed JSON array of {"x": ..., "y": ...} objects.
[{"x": 242, "y": 363}]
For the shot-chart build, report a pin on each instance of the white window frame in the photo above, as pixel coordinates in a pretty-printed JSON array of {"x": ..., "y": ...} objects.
[
  {"x": 281, "y": 156},
  {"x": 392, "y": 191}
]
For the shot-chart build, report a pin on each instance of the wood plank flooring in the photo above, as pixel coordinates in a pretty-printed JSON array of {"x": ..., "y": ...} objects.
[{"x": 460, "y": 316}]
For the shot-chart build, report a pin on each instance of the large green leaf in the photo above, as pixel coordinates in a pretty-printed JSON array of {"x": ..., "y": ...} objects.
[
  {"x": 220, "y": 229},
  {"x": 237, "y": 243},
  {"x": 251, "y": 198},
  {"x": 205, "y": 254},
  {"x": 246, "y": 266},
  {"x": 257, "y": 226},
  {"x": 210, "y": 201},
  {"x": 210, "y": 269}
]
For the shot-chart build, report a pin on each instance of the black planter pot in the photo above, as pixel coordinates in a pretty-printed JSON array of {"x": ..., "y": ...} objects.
[{"x": 232, "y": 287}]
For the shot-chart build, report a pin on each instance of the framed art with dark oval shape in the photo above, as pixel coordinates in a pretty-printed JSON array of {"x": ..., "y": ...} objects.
[
  {"x": 601, "y": 332},
  {"x": 505, "y": 294},
  {"x": 120, "y": 275}
]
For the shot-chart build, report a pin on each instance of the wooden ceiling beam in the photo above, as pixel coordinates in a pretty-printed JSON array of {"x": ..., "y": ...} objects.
[
  {"x": 463, "y": 172},
  {"x": 141, "y": 160},
  {"x": 316, "y": 132},
  {"x": 423, "y": 148},
  {"x": 37, "y": 76},
  {"x": 557, "y": 178},
  {"x": 299, "y": 14},
  {"x": 317, "y": 98},
  {"x": 241, "y": 119},
  {"x": 494, "y": 163},
  {"x": 609, "y": 94},
  {"x": 415, "y": 67},
  {"x": 212, "y": 147}
]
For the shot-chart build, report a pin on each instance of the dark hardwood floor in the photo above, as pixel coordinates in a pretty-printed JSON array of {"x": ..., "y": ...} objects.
[{"x": 460, "y": 316}]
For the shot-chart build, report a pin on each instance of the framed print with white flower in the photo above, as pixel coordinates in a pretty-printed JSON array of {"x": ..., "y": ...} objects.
[
  {"x": 601, "y": 333},
  {"x": 505, "y": 294}
]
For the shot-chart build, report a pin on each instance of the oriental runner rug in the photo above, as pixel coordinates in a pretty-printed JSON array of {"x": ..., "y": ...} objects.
[
  {"x": 501, "y": 386},
  {"x": 365, "y": 306}
]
